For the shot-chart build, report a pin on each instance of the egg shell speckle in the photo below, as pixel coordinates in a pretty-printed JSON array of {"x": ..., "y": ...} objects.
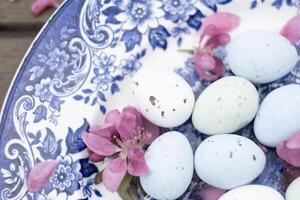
[
  {"x": 225, "y": 106},
  {"x": 293, "y": 191},
  {"x": 278, "y": 117},
  {"x": 163, "y": 97},
  {"x": 252, "y": 192},
  {"x": 261, "y": 56},
  {"x": 171, "y": 166},
  {"x": 228, "y": 161}
]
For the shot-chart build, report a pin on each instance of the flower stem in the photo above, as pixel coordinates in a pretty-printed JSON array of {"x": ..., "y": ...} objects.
[{"x": 190, "y": 51}]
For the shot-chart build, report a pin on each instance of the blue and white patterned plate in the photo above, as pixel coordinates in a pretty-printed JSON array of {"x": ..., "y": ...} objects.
[{"x": 79, "y": 67}]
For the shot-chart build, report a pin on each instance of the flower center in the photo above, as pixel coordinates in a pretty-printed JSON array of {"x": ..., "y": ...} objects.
[
  {"x": 139, "y": 138},
  {"x": 61, "y": 177},
  {"x": 175, "y": 3},
  {"x": 118, "y": 140},
  {"x": 138, "y": 11}
]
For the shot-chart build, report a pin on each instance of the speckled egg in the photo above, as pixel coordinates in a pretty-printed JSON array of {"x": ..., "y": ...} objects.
[
  {"x": 278, "y": 117},
  {"x": 225, "y": 106},
  {"x": 170, "y": 162},
  {"x": 163, "y": 97},
  {"x": 252, "y": 192},
  {"x": 228, "y": 161},
  {"x": 261, "y": 56},
  {"x": 293, "y": 191}
]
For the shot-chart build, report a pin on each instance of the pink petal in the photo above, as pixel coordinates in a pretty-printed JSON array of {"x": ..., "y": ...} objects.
[
  {"x": 224, "y": 22},
  {"x": 40, "y": 6},
  {"x": 106, "y": 131},
  {"x": 134, "y": 111},
  {"x": 114, "y": 173},
  {"x": 291, "y": 156},
  {"x": 218, "y": 40},
  {"x": 290, "y": 174},
  {"x": 207, "y": 69},
  {"x": 211, "y": 193},
  {"x": 294, "y": 141},
  {"x": 210, "y": 29},
  {"x": 40, "y": 174},
  {"x": 204, "y": 60},
  {"x": 99, "y": 145},
  {"x": 126, "y": 125},
  {"x": 112, "y": 117},
  {"x": 95, "y": 129},
  {"x": 94, "y": 157},
  {"x": 152, "y": 129},
  {"x": 292, "y": 29},
  {"x": 219, "y": 70},
  {"x": 136, "y": 165}
]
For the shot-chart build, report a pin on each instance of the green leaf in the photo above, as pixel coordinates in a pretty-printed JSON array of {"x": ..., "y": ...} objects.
[
  {"x": 98, "y": 178},
  {"x": 128, "y": 191},
  {"x": 126, "y": 182}
]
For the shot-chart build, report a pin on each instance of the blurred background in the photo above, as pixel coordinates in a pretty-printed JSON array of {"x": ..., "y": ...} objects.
[{"x": 18, "y": 28}]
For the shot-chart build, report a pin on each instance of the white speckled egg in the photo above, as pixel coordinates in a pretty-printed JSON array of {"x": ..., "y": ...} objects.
[
  {"x": 293, "y": 191},
  {"x": 171, "y": 166},
  {"x": 252, "y": 192},
  {"x": 261, "y": 56},
  {"x": 163, "y": 97},
  {"x": 278, "y": 117},
  {"x": 225, "y": 106},
  {"x": 228, "y": 161}
]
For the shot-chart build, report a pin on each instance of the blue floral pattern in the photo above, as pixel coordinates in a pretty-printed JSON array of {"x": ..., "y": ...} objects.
[
  {"x": 88, "y": 190},
  {"x": 277, "y": 3},
  {"x": 189, "y": 74},
  {"x": 63, "y": 178},
  {"x": 78, "y": 65},
  {"x": 106, "y": 74},
  {"x": 66, "y": 177},
  {"x": 42, "y": 90},
  {"x": 58, "y": 60},
  {"x": 213, "y": 4},
  {"x": 194, "y": 136},
  {"x": 178, "y": 10},
  {"x": 140, "y": 14}
]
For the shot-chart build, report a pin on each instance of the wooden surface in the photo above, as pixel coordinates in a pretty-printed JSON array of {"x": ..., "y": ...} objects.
[
  {"x": 16, "y": 15},
  {"x": 17, "y": 30}
]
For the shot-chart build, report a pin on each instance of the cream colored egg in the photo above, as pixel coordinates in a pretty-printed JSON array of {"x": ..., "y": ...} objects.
[
  {"x": 225, "y": 106},
  {"x": 163, "y": 97},
  {"x": 293, "y": 191}
]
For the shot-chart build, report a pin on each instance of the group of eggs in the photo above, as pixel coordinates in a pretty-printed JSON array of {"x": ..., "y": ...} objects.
[{"x": 223, "y": 160}]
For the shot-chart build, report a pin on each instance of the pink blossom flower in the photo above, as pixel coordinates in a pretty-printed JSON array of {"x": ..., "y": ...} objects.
[
  {"x": 292, "y": 29},
  {"x": 39, "y": 6},
  {"x": 123, "y": 137},
  {"x": 39, "y": 175},
  {"x": 289, "y": 150},
  {"x": 215, "y": 32},
  {"x": 211, "y": 193}
]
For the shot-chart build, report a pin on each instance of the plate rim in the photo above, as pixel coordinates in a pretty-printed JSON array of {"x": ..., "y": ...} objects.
[{"x": 21, "y": 67}]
